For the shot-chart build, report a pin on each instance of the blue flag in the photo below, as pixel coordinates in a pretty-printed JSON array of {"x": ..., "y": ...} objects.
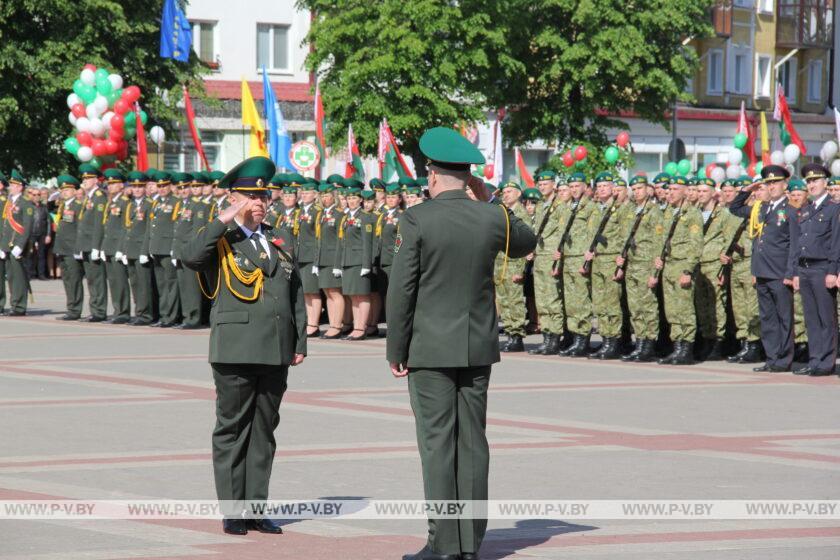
[
  {"x": 279, "y": 142},
  {"x": 175, "y": 32}
]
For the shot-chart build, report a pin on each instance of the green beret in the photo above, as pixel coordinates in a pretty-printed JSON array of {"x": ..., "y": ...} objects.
[
  {"x": 834, "y": 181},
  {"x": 532, "y": 194},
  {"x": 691, "y": 181},
  {"x": 335, "y": 179},
  {"x": 180, "y": 179},
  {"x": 422, "y": 181},
  {"x": 679, "y": 180},
  {"x": 546, "y": 175},
  {"x": 368, "y": 194},
  {"x": 512, "y": 185},
  {"x": 67, "y": 182},
  {"x": 137, "y": 179},
  {"x": 708, "y": 181},
  {"x": 326, "y": 187},
  {"x": 662, "y": 178},
  {"x": 376, "y": 184},
  {"x": 253, "y": 174},
  {"x": 86, "y": 171},
  {"x": 577, "y": 177},
  {"x": 448, "y": 149},
  {"x": 392, "y": 188},
  {"x": 797, "y": 184},
  {"x": 619, "y": 182},
  {"x": 215, "y": 176},
  {"x": 604, "y": 177},
  {"x": 638, "y": 180},
  {"x": 114, "y": 176}
]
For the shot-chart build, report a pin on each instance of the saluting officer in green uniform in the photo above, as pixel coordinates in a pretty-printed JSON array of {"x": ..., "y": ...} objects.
[
  {"x": 112, "y": 237},
  {"x": 89, "y": 241},
  {"x": 258, "y": 330},
  {"x": 442, "y": 331},
  {"x": 66, "y": 223},
  {"x": 18, "y": 215},
  {"x": 160, "y": 232},
  {"x": 135, "y": 249}
]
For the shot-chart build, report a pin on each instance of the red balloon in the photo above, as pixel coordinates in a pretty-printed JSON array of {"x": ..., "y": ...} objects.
[
  {"x": 78, "y": 110},
  {"x": 568, "y": 160},
  {"x": 121, "y": 107},
  {"x": 84, "y": 138},
  {"x": 111, "y": 146},
  {"x": 488, "y": 171},
  {"x": 122, "y": 153},
  {"x": 623, "y": 138},
  {"x": 91, "y": 67},
  {"x": 751, "y": 170},
  {"x": 98, "y": 148},
  {"x": 131, "y": 94},
  {"x": 116, "y": 134},
  {"x": 709, "y": 169},
  {"x": 580, "y": 153},
  {"x": 117, "y": 121}
]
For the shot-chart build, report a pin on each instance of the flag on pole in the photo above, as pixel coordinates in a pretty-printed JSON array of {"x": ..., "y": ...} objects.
[
  {"x": 498, "y": 164},
  {"x": 319, "y": 123},
  {"x": 142, "y": 154},
  {"x": 279, "y": 142},
  {"x": 744, "y": 127},
  {"x": 251, "y": 118},
  {"x": 175, "y": 33},
  {"x": 390, "y": 159},
  {"x": 524, "y": 177},
  {"x": 188, "y": 108},
  {"x": 354, "y": 168},
  {"x": 782, "y": 114},
  {"x": 765, "y": 141}
]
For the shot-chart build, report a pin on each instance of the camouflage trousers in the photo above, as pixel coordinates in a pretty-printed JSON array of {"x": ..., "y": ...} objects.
[
  {"x": 547, "y": 293},
  {"x": 606, "y": 300},
  {"x": 710, "y": 301},
  {"x": 510, "y": 298},
  {"x": 800, "y": 333},
  {"x": 744, "y": 302},
  {"x": 679, "y": 303},
  {"x": 644, "y": 309},
  {"x": 578, "y": 303}
]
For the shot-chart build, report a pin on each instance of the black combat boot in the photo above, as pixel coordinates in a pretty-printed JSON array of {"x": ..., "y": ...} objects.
[
  {"x": 733, "y": 359},
  {"x": 579, "y": 348},
  {"x": 553, "y": 346},
  {"x": 566, "y": 340},
  {"x": 753, "y": 354},
  {"x": 669, "y": 359},
  {"x": 632, "y": 355},
  {"x": 715, "y": 350},
  {"x": 514, "y": 344},
  {"x": 609, "y": 350},
  {"x": 684, "y": 355},
  {"x": 647, "y": 351},
  {"x": 542, "y": 347}
]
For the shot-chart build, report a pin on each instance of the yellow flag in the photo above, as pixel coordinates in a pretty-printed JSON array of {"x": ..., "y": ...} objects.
[
  {"x": 765, "y": 138},
  {"x": 251, "y": 118}
]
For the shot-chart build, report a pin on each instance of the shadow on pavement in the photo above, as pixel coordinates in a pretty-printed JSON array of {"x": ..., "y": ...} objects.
[{"x": 501, "y": 543}]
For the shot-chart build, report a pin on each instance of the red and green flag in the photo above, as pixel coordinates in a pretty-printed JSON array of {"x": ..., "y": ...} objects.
[
  {"x": 781, "y": 113},
  {"x": 524, "y": 176},
  {"x": 355, "y": 168},
  {"x": 319, "y": 124},
  {"x": 390, "y": 159}
]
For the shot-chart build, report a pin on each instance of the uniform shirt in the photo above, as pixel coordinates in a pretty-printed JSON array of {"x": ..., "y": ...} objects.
[
  {"x": 772, "y": 257},
  {"x": 248, "y": 233},
  {"x": 815, "y": 235}
]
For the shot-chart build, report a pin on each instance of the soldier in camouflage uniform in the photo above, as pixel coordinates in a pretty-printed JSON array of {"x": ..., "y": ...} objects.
[
  {"x": 798, "y": 197},
  {"x": 510, "y": 275}
]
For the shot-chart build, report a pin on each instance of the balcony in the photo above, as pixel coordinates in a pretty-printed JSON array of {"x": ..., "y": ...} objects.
[
  {"x": 721, "y": 14},
  {"x": 804, "y": 24}
]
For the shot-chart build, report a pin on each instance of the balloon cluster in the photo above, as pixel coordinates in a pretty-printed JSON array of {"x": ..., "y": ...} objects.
[
  {"x": 576, "y": 157},
  {"x": 612, "y": 153},
  {"x": 101, "y": 110},
  {"x": 828, "y": 153}
]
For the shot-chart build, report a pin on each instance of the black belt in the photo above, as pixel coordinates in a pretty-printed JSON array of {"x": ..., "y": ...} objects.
[{"x": 807, "y": 263}]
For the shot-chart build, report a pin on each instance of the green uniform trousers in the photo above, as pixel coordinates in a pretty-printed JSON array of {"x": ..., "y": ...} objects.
[
  {"x": 450, "y": 412},
  {"x": 190, "y": 295},
  {"x": 247, "y": 412},
  {"x": 606, "y": 306},
  {"x": 547, "y": 295},
  {"x": 576, "y": 297},
  {"x": 641, "y": 300},
  {"x": 744, "y": 302},
  {"x": 679, "y": 303},
  {"x": 140, "y": 280},
  {"x": 167, "y": 287},
  {"x": 511, "y": 300},
  {"x": 97, "y": 286},
  {"x": 710, "y": 301},
  {"x": 18, "y": 283},
  {"x": 72, "y": 276},
  {"x": 117, "y": 274},
  {"x": 3, "y": 282}
]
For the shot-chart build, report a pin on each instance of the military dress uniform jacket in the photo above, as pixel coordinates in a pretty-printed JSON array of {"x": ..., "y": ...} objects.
[
  {"x": 772, "y": 257},
  {"x": 136, "y": 242},
  {"x": 327, "y": 221},
  {"x": 18, "y": 217},
  {"x": 286, "y": 224},
  {"x": 387, "y": 226},
  {"x": 67, "y": 223},
  {"x": 91, "y": 227},
  {"x": 269, "y": 330},
  {"x": 114, "y": 226},
  {"x": 355, "y": 243},
  {"x": 815, "y": 235},
  {"x": 161, "y": 227},
  {"x": 440, "y": 305},
  {"x": 306, "y": 244}
]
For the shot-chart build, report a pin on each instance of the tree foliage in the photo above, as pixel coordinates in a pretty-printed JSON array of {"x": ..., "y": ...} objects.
[{"x": 43, "y": 46}]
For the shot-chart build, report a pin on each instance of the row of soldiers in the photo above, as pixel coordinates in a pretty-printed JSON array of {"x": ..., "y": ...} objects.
[{"x": 669, "y": 260}]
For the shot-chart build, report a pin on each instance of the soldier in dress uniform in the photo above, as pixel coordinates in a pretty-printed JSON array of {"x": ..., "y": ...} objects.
[
  {"x": 306, "y": 251},
  {"x": 89, "y": 241},
  {"x": 354, "y": 261},
  {"x": 797, "y": 196},
  {"x": 378, "y": 187},
  {"x": 442, "y": 332},
  {"x": 193, "y": 214},
  {"x": 112, "y": 237},
  {"x": 135, "y": 249},
  {"x": 66, "y": 224},
  {"x": 326, "y": 231},
  {"x": 161, "y": 231},
  {"x": 15, "y": 232},
  {"x": 387, "y": 226},
  {"x": 815, "y": 244},
  {"x": 286, "y": 212},
  {"x": 772, "y": 267},
  {"x": 371, "y": 217}
]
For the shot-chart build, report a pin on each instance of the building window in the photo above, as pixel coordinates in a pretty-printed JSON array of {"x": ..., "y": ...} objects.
[
  {"x": 762, "y": 76},
  {"x": 743, "y": 3},
  {"x": 739, "y": 80},
  {"x": 181, "y": 156},
  {"x": 766, "y": 6},
  {"x": 714, "y": 72},
  {"x": 273, "y": 47},
  {"x": 787, "y": 77},
  {"x": 815, "y": 71},
  {"x": 204, "y": 42},
  {"x": 722, "y": 17}
]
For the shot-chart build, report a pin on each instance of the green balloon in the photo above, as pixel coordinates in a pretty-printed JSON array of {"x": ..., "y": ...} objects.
[
  {"x": 96, "y": 162},
  {"x": 113, "y": 97},
  {"x": 671, "y": 168},
  {"x": 701, "y": 173},
  {"x": 77, "y": 87},
  {"x": 130, "y": 131},
  {"x": 143, "y": 117},
  {"x": 130, "y": 119},
  {"x": 103, "y": 85},
  {"x": 71, "y": 145},
  {"x": 87, "y": 93},
  {"x": 758, "y": 167},
  {"x": 611, "y": 154},
  {"x": 480, "y": 170},
  {"x": 100, "y": 73},
  {"x": 684, "y": 167},
  {"x": 580, "y": 164},
  {"x": 740, "y": 140}
]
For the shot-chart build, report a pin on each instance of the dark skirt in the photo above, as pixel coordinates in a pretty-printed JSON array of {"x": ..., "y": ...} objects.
[
  {"x": 353, "y": 283},
  {"x": 326, "y": 278},
  {"x": 309, "y": 280}
]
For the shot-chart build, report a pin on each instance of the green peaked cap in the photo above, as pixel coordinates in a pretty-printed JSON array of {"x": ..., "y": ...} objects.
[
  {"x": 67, "y": 182},
  {"x": 253, "y": 174},
  {"x": 447, "y": 148}
]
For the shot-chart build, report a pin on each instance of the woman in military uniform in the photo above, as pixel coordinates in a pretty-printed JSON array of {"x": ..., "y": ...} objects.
[
  {"x": 353, "y": 261},
  {"x": 326, "y": 231},
  {"x": 371, "y": 216},
  {"x": 306, "y": 249}
]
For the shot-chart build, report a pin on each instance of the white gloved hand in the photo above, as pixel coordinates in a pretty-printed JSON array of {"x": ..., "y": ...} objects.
[
  {"x": 125, "y": 260},
  {"x": 94, "y": 254},
  {"x": 118, "y": 256},
  {"x": 144, "y": 259},
  {"x": 172, "y": 253},
  {"x": 337, "y": 272},
  {"x": 78, "y": 256},
  {"x": 174, "y": 262},
  {"x": 17, "y": 252},
  {"x": 315, "y": 270},
  {"x": 365, "y": 271},
  {"x": 2, "y": 255}
]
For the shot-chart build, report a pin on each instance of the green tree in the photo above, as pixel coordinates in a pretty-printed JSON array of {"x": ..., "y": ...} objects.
[{"x": 43, "y": 46}]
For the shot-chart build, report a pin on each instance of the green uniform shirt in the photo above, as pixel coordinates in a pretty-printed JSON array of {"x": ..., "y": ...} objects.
[
  {"x": 67, "y": 224},
  {"x": 161, "y": 227},
  {"x": 91, "y": 227},
  {"x": 114, "y": 227}
]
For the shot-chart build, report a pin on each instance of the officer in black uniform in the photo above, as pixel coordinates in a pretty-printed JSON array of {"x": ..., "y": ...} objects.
[
  {"x": 772, "y": 266},
  {"x": 815, "y": 243}
]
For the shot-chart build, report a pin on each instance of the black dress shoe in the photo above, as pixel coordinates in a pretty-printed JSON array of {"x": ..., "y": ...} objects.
[
  {"x": 166, "y": 325},
  {"x": 265, "y": 525},
  {"x": 469, "y": 556},
  {"x": 118, "y": 320},
  {"x": 156, "y": 324},
  {"x": 187, "y": 326},
  {"x": 428, "y": 554},
  {"x": 138, "y": 322},
  {"x": 16, "y": 313},
  {"x": 315, "y": 333},
  {"x": 67, "y": 318},
  {"x": 349, "y": 338},
  {"x": 335, "y": 336},
  {"x": 2, "y": 311},
  {"x": 93, "y": 319},
  {"x": 770, "y": 369},
  {"x": 821, "y": 372},
  {"x": 235, "y": 526},
  {"x": 802, "y": 371}
]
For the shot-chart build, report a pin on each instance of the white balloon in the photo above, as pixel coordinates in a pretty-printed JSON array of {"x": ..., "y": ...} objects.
[
  {"x": 157, "y": 135},
  {"x": 97, "y": 128},
  {"x": 791, "y": 153},
  {"x": 718, "y": 174},
  {"x": 116, "y": 81},
  {"x": 830, "y": 149},
  {"x": 722, "y": 157},
  {"x": 72, "y": 99},
  {"x": 84, "y": 153},
  {"x": 92, "y": 111},
  {"x": 83, "y": 124},
  {"x": 733, "y": 172},
  {"x": 106, "y": 119},
  {"x": 101, "y": 103},
  {"x": 777, "y": 158},
  {"x": 835, "y": 167},
  {"x": 823, "y": 156},
  {"x": 72, "y": 118},
  {"x": 735, "y": 156},
  {"x": 88, "y": 77}
]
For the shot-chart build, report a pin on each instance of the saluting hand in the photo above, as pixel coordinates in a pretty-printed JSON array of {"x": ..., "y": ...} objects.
[{"x": 231, "y": 211}]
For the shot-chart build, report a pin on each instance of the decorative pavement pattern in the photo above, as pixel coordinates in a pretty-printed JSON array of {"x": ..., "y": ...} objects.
[{"x": 93, "y": 411}]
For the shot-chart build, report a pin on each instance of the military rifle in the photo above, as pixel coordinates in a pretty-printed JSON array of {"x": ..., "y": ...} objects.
[
  {"x": 628, "y": 243},
  {"x": 666, "y": 248},
  {"x": 587, "y": 265},
  {"x": 548, "y": 213},
  {"x": 730, "y": 250},
  {"x": 575, "y": 207}
]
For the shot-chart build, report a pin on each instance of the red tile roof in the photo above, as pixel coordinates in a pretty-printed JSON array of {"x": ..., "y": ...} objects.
[{"x": 285, "y": 91}]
